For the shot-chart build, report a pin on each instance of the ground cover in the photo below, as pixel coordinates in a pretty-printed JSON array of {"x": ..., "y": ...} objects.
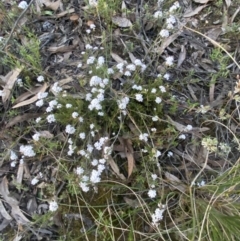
[{"x": 119, "y": 120}]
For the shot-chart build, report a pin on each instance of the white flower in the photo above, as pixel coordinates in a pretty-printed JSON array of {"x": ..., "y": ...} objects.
[
  {"x": 70, "y": 129},
  {"x": 120, "y": 66},
  {"x": 88, "y": 31},
  {"x": 23, "y": 5},
  {"x": 143, "y": 137},
  {"x": 88, "y": 97},
  {"x": 170, "y": 26},
  {"x": 92, "y": 126},
  {"x": 55, "y": 88},
  {"x": 138, "y": 62},
  {"x": 189, "y": 127},
  {"x": 36, "y": 136},
  {"x": 137, "y": 87},
  {"x": 164, "y": 33},
  {"x": 95, "y": 176},
  {"x": 174, "y": 7},
  {"x": 182, "y": 137},
  {"x": 34, "y": 181},
  {"x": 162, "y": 88},
  {"x": 170, "y": 154},
  {"x": 51, "y": 118},
  {"x": 27, "y": 150},
  {"x": 68, "y": 106},
  {"x": 171, "y": 20},
  {"x": 100, "y": 168},
  {"x": 84, "y": 186},
  {"x": 158, "y": 100},
  {"x": 102, "y": 161},
  {"x": 80, "y": 119},
  {"x": 92, "y": 26},
  {"x": 53, "y": 206},
  {"x": 89, "y": 148},
  {"x": 40, "y": 78},
  {"x": 13, "y": 163},
  {"x": 152, "y": 193},
  {"x": 131, "y": 67},
  {"x": 122, "y": 103},
  {"x": 20, "y": 82},
  {"x": 166, "y": 76},
  {"x": 127, "y": 73},
  {"x": 79, "y": 171},
  {"x": 154, "y": 176},
  {"x": 153, "y": 129},
  {"x": 201, "y": 184},
  {"x": 110, "y": 71},
  {"x": 139, "y": 97},
  {"x": 158, "y": 153},
  {"x": 94, "y": 162},
  {"x": 39, "y": 103},
  {"x": 74, "y": 115},
  {"x": 82, "y": 153},
  {"x": 155, "y": 118},
  {"x": 157, "y": 216},
  {"x": 82, "y": 135},
  {"x": 101, "y": 60},
  {"x": 154, "y": 90},
  {"x": 38, "y": 119},
  {"x": 42, "y": 95},
  {"x": 158, "y": 14},
  {"x": 169, "y": 60},
  {"x": 95, "y": 81},
  {"x": 53, "y": 103},
  {"x": 91, "y": 60},
  {"x": 13, "y": 156},
  {"x": 49, "y": 109},
  {"x": 79, "y": 65},
  {"x": 88, "y": 46}
]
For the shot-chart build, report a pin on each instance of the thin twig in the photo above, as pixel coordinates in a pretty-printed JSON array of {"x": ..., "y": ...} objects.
[{"x": 16, "y": 23}]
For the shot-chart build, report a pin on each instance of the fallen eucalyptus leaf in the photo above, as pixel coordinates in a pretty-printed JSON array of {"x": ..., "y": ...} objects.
[{"x": 121, "y": 22}]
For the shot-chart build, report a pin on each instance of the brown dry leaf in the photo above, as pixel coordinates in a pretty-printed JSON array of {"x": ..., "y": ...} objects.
[
  {"x": 4, "y": 212},
  {"x": 51, "y": 5},
  {"x": 20, "y": 173},
  {"x": 121, "y": 22},
  {"x": 134, "y": 203},
  {"x": 132, "y": 57},
  {"x": 62, "y": 14},
  {"x": 62, "y": 48},
  {"x": 27, "y": 94},
  {"x": 228, "y": 3},
  {"x": 194, "y": 12},
  {"x": 21, "y": 118},
  {"x": 201, "y": 1},
  {"x": 16, "y": 212},
  {"x": 10, "y": 79},
  {"x": 167, "y": 42},
  {"x": 115, "y": 168},
  {"x": 33, "y": 99},
  {"x": 182, "y": 56},
  {"x": 124, "y": 9},
  {"x": 214, "y": 33},
  {"x": 46, "y": 134},
  {"x": 176, "y": 182},
  {"x": 117, "y": 58}
]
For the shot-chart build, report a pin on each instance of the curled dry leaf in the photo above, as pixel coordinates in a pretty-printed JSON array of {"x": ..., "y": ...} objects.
[
  {"x": 31, "y": 100},
  {"x": 4, "y": 212},
  {"x": 182, "y": 56},
  {"x": 117, "y": 58},
  {"x": 115, "y": 168},
  {"x": 51, "y": 5},
  {"x": 201, "y": 1},
  {"x": 10, "y": 79},
  {"x": 121, "y": 22},
  {"x": 196, "y": 11},
  {"x": 175, "y": 182}
]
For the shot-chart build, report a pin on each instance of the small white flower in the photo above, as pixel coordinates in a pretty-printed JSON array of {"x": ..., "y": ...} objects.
[
  {"x": 34, "y": 181},
  {"x": 158, "y": 215},
  {"x": 158, "y": 153},
  {"x": 23, "y": 5},
  {"x": 92, "y": 26},
  {"x": 120, "y": 66},
  {"x": 154, "y": 90},
  {"x": 88, "y": 31},
  {"x": 89, "y": 148},
  {"x": 53, "y": 103},
  {"x": 88, "y": 46},
  {"x": 84, "y": 186},
  {"x": 27, "y": 150},
  {"x": 189, "y": 127},
  {"x": 92, "y": 126},
  {"x": 53, "y": 206},
  {"x": 170, "y": 154},
  {"x": 139, "y": 97},
  {"x": 13, "y": 156},
  {"x": 138, "y": 62},
  {"x": 82, "y": 135},
  {"x": 131, "y": 67},
  {"x": 40, "y": 78},
  {"x": 68, "y": 106},
  {"x": 127, "y": 73},
  {"x": 70, "y": 129},
  {"x": 158, "y": 14},
  {"x": 164, "y": 33},
  {"x": 171, "y": 20},
  {"x": 182, "y": 137},
  {"x": 42, "y": 95},
  {"x": 51, "y": 118},
  {"x": 169, "y": 60},
  {"x": 74, "y": 115},
  {"x": 36, "y": 136},
  {"x": 143, "y": 137},
  {"x": 55, "y": 88},
  {"x": 38, "y": 119},
  {"x": 153, "y": 129},
  {"x": 155, "y": 118},
  {"x": 110, "y": 71},
  {"x": 39, "y": 103},
  {"x": 154, "y": 176},
  {"x": 79, "y": 171},
  {"x": 201, "y": 184},
  {"x": 95, "y": 176},
  {"x": 94, "y": 162},
  {"x": 166, "y": 76},
  {"x": 152, "y": 193},
  {"x": 13, "y": 164},
  {"x": 101, "y": 60},
  {"x": 19, "y": 81},
  {"x": 80, "y": 119},
  {"x": 91, "y": 60},
  {"x": 162, "y": 88},
  {"x": 79, "y": 65},
  {"x": 158, "y": 100}
]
